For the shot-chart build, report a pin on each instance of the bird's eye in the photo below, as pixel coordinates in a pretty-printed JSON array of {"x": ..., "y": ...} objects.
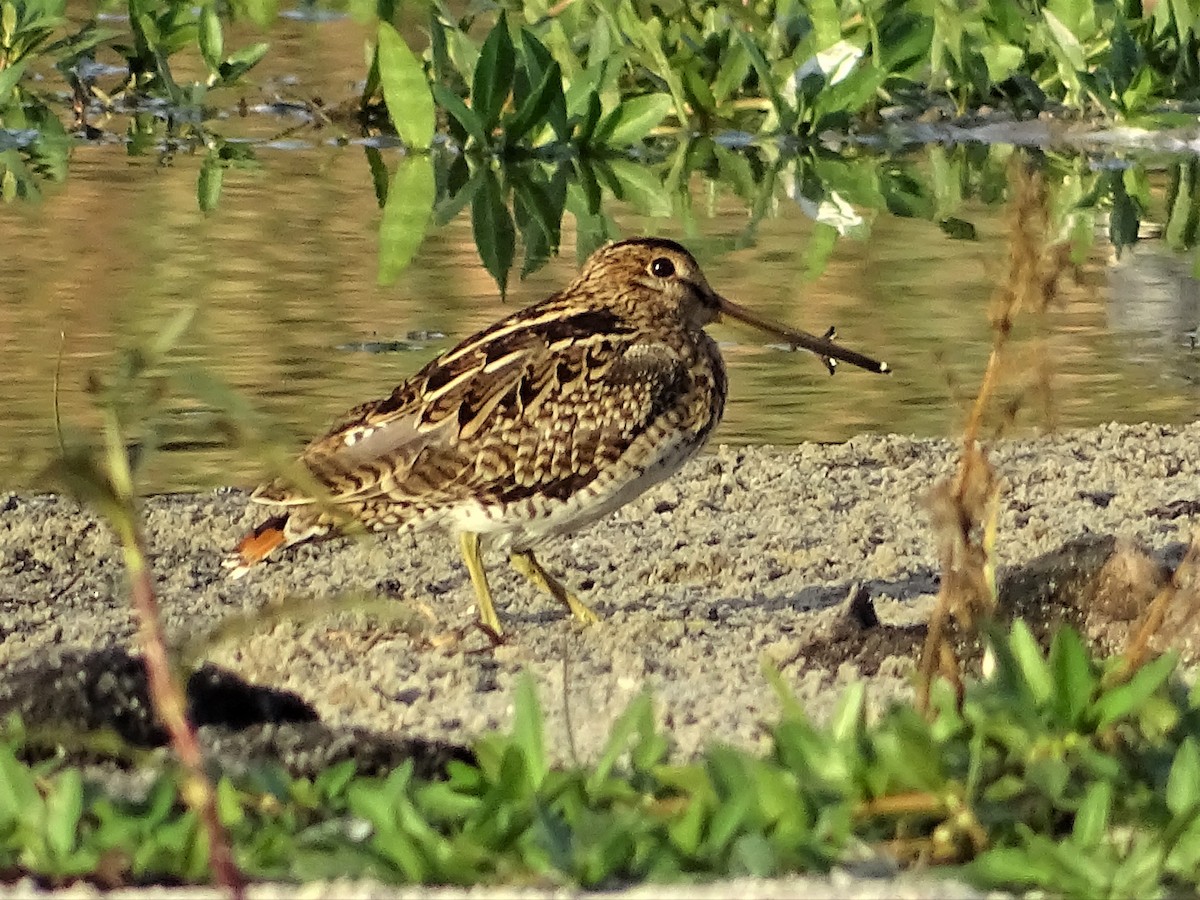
[{"x": 662, "y": 268}]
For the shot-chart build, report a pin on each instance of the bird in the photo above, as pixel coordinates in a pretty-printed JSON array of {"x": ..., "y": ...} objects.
[{"x": 538, "y": 425}]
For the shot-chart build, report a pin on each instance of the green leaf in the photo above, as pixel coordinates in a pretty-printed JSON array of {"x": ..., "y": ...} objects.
[
  {"x": 212, "y": 40},
  {"x": 405, "y": 89},
  {"x": 1183, "y": 782},
  {"x": 1072, "y": 53},
  {"x": 784, "y": 110},
  {"x": 64, "y": 807},
  {"x": 9, "y": 78},
  {"x": 405, "y": 216},
  {"x": 849, "y": 715},
  {"x": 494, "y": 72},
  {"x": 735, "y": 66},
  {"x": 1126, "y": 699},
  {"x": 1126, "y": 57},
  {"x": 229, "y": 803},
  {"x": 1073, "y": 679},
  {"x": 632, "y": 120},
  {"x": 1033, "y": 666},
  {"x": 1077, "y": 16},
  {"x": 242, "y": 61},
  {"x": 1091, "y": 819},
  {"x": 537, "y": 61},
  {"x": 528, "y": 730},
  {"x": 533, "y": 111},
  {"x": 1002, "y": 60},
  {"x": 461, "y": 113},
  {"x": 634, "y": 719},
  {"x": 826, "y": 22},
  {"x": 19, "y": 797},
  {"x": 586, "y": 133},
  {"x": 492, "y": 226},
  {"x": 648, "y": 34}
]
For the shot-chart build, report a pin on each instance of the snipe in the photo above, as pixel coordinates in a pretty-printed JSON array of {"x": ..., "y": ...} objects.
[{"x": 548, "y": 420}]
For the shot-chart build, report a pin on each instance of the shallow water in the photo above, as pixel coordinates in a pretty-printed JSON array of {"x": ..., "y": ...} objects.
[{"x": 283, "y": 276}]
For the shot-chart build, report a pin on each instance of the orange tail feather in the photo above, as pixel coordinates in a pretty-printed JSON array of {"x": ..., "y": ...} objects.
[{"x": 257, "y": 545}]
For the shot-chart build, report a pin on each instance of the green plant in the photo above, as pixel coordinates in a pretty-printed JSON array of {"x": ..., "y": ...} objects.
[
  {"x": 103, "y": 476},
  {"x": 162, "y": 28},
  {"x": 1049, "y": 774}
]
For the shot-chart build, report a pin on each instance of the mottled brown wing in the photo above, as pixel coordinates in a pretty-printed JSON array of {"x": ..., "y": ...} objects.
[
  {"x": 536, "y": 404},
  {"x": 593, "y": 405}
]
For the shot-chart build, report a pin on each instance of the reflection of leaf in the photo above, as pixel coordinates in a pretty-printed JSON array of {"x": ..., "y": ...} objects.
[
  {"x": 459, "y": 189},
  {"x": 1183, "y": 201},
  {"x": 208, "y": 187},
  {"x": 405, "y": 216},
  {"x": 261, "y": 12},
  {"x": 1123, "y": 222},
  {"x": 958, "y": 229},
  {"x": 586, "y": 180},
  {"x": 592, "y": 227},
  {"x": 405, "y": 89},
  {"x": 734, "y": 170},
  {"x": 16, "y": 181},
  {"x": 905, "y": 196},
  {"x": 493, "y": 228},
  {"x": 833, "y": 210},
  {"x": 819, "y": 250},
  {"x": 379, "y": 174},
  {"x": 538, "y": 207},
  {"x": 642, "y": 188}
]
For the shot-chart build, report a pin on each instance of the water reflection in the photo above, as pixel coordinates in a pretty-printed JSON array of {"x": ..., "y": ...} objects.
[{"x": 284, "y": 272}]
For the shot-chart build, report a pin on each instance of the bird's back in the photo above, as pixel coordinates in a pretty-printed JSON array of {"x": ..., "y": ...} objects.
[{"x": 548, "y": 419}]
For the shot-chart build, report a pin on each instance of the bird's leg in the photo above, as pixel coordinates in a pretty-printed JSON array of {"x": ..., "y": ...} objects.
[
  {"x": 469, "y": 544},
  {"x": 526, "y": 563}
]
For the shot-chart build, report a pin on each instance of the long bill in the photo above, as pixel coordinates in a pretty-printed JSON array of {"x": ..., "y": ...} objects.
[{"x": 824, "y": 347}]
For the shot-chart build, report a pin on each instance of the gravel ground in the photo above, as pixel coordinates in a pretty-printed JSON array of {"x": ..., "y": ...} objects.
[{"x": 747, "y": 554}]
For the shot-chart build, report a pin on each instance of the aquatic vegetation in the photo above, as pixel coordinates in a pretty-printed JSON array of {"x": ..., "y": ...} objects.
[{"x": 523, "y": 116}]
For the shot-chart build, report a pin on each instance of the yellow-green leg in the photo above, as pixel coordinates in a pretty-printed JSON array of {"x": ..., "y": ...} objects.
[
  {"x": 469, "y": 544},
  {"x": 526, "y": 563}
]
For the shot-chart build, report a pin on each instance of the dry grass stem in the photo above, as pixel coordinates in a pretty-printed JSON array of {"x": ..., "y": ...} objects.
[
  {"x": 1181, "y": 589},
  {"x": 166, "y": 691},
  {"x": 964, "y": 510}
]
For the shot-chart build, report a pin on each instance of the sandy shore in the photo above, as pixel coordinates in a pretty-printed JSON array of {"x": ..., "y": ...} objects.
[{"x": 742, "y": 557}]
